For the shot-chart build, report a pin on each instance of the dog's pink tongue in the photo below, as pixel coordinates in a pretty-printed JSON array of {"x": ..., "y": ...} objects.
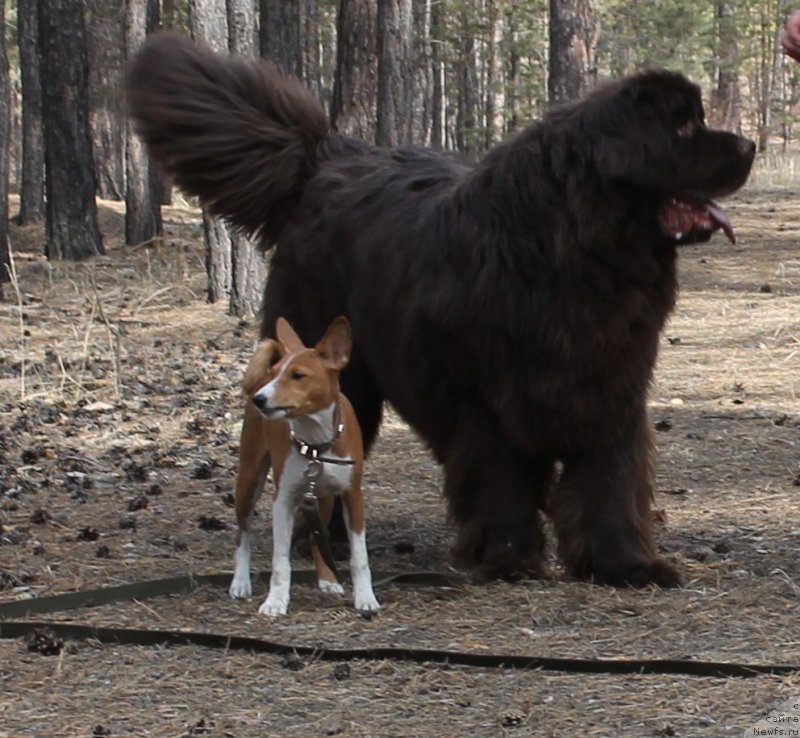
[
  {"x": 718, "y": 216},
  {"x": 682, "y": 215}
]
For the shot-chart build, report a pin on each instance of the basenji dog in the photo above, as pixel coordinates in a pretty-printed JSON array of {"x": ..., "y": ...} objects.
[{"x": 298, "y": 423}]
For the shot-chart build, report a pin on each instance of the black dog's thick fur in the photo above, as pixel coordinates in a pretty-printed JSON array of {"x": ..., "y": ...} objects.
[{"x": 510, "y": 312}]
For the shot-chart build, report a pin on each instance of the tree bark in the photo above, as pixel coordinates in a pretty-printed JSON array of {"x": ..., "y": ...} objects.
[
  {"x": 242, "y": 27},
  {"x": 143, "y": 191},
  {"x": 571, "y": 41},
  {"x": 438, "y": 102},
  {"x": 5, "y": 126},
  {"x": 394, "y": 30},
  {"x": 247, "y": 263},
  {"x": 72, "y": 230},
  {"x": 726, "y": 100},
  {"x": 208, "y": 20},
  {"x": 106, "y": 62},
  {"x": 280, "y": 34},
  {"x": 467, "y": 109},
  {"x": 31, "y": 190},
  {"x": 495, "y": 89},
  {"x": 355, "y": 84},
  {"x": 312, "y": 56}
]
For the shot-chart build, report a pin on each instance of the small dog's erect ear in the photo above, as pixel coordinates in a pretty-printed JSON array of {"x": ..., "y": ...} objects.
[
  {"x": 268, "y": 353},
  {"x": 287, "y": 336},
  {"x": 334, "y": 347}
]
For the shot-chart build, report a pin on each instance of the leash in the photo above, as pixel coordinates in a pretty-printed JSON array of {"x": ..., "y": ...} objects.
[
  {"x": 184, "y": 584},
  {"x": 309, "y": 506}
]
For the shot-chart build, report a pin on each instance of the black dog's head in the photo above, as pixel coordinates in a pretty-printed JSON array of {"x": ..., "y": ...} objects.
[{"x": 647, "y": 134}]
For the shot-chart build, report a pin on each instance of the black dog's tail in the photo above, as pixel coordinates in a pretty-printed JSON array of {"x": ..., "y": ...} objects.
[{"x": 238, "y": 134}]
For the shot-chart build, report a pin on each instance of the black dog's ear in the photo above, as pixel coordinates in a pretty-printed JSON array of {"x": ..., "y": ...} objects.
[{"x": 621, "y": 160}]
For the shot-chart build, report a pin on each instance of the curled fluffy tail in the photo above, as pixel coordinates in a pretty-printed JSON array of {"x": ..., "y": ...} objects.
[{"x": 239, "y": 134}]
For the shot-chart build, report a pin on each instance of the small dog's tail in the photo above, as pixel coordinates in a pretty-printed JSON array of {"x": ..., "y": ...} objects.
[{"x": 240, "y": 135}]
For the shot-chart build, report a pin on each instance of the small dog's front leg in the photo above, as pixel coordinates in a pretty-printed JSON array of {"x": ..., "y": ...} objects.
[
  {"x": 277, "y": 602},
  {"x": 240, "y": 585},
  {"x": 363, "y": 597}
]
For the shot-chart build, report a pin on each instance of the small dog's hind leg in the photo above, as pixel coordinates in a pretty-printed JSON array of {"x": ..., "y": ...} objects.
[
  {"x": 254, "y": 464},
  {"x": 325, "y": 577}
]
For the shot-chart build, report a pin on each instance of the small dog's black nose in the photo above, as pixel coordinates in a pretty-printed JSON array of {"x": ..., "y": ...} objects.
[{"x": 260, "y": 401}]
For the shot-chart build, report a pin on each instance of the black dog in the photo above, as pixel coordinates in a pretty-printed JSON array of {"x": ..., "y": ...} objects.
[{"x": 510, "y": 312}]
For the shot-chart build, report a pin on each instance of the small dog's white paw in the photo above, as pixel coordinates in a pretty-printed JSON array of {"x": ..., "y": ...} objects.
[
  {"x": 331, "y": 587},
  {"x": 240, "y": 588},
  {"x": 275, "y": 605},
  {"x": 366, "y": 602}
]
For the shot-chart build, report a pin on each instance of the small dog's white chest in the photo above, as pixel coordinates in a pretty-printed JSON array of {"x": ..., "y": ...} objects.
[{"x": 335, "y": 478}]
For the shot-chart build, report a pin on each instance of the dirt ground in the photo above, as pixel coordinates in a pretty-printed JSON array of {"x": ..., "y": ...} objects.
[{"x": 119, "y": 418}]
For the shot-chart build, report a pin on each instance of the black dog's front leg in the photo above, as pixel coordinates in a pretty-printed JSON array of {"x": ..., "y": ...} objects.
[
  {"x": 495, "y": 496},
  {"x": 601, "y": 508}
]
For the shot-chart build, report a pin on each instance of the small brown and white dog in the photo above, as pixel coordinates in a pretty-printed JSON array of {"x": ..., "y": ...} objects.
[{"x": 297, "y": 421}]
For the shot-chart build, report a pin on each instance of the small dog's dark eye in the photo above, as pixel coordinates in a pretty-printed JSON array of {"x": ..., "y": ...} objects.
[{"x": 297, "y": 375}]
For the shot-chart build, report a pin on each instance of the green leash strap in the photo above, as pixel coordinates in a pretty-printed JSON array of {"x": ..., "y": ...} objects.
[{"x": 10, "y": 628}]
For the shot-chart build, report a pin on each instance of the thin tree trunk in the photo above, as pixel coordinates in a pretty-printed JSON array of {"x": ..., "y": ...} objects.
[
  {"x": 5, "y": 126},
  {"x": 418, "y": 90},
  {"x": 280, "y": 34},
  {"x": 495, "y": 98},
  {"x": 466, "y": 115},
  {"x": 31, "y": 189},
  {"x": 726, "y": 101},
  {"x": 571, "y": 34},
  {"x": 106, "y": 61},
  {"x": 143, "y": 193},
  {"x": 209, "y": 23},
  {"x": 247, "y": 263},
  {"x": 394, "y": 30},
  {"x": 72, "y": 230},
  {"x": 312, "y": 57},
  {"x": 512, "y": 73},
  {"x": 438, "y": 47},
  {"x": 355, "y": 84}
]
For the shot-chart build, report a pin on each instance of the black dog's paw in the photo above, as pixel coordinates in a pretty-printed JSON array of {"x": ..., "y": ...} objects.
[
  {"x": 499, "y": 554},
  {"x": 658, "y": 571}
]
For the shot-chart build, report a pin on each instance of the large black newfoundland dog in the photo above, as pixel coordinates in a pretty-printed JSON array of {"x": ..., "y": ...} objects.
[{"x": 509, "y": 311}]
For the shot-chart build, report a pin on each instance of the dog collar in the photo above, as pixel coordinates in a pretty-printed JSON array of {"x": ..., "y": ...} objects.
[{"x": 314, "y": 451}]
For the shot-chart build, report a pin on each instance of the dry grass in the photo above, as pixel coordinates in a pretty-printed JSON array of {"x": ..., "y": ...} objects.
[{"x": 125, "y": 427}]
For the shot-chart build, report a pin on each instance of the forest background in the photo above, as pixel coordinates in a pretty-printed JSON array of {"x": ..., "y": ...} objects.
[{"x": 451, "y": 74}]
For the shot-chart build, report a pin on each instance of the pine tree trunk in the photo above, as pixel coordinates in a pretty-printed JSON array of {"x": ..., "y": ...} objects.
[
  {"x": 280, "y": 34},
  {"x": 571, "y": 34},
  {"x": 208, "y": 20},
  {"x": 393, "y": 50},
  {"x": 106, "y": 61},
  {"x": 438, "y": 102},
  {"x": 355, "y": 84},
  {"x": 418, "y": 88},
  {"x": 467, "y": 111},
  {"x": 31, "y": 189},
  {"x": 72, "y": 231},
  {"x": 5, "y": 125},
  {"x": 247, "y": 264},
  {"x": 495, "y": 88},
  {"x": 143, "y": 193},
  {"x": 512, "y": 74},
  {"x": 312, "y": 57},
  {"x": 726, "y": 101}
]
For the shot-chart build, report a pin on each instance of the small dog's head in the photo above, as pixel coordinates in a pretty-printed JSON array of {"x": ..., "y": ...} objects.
[{"x": 285, "y": 379}]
